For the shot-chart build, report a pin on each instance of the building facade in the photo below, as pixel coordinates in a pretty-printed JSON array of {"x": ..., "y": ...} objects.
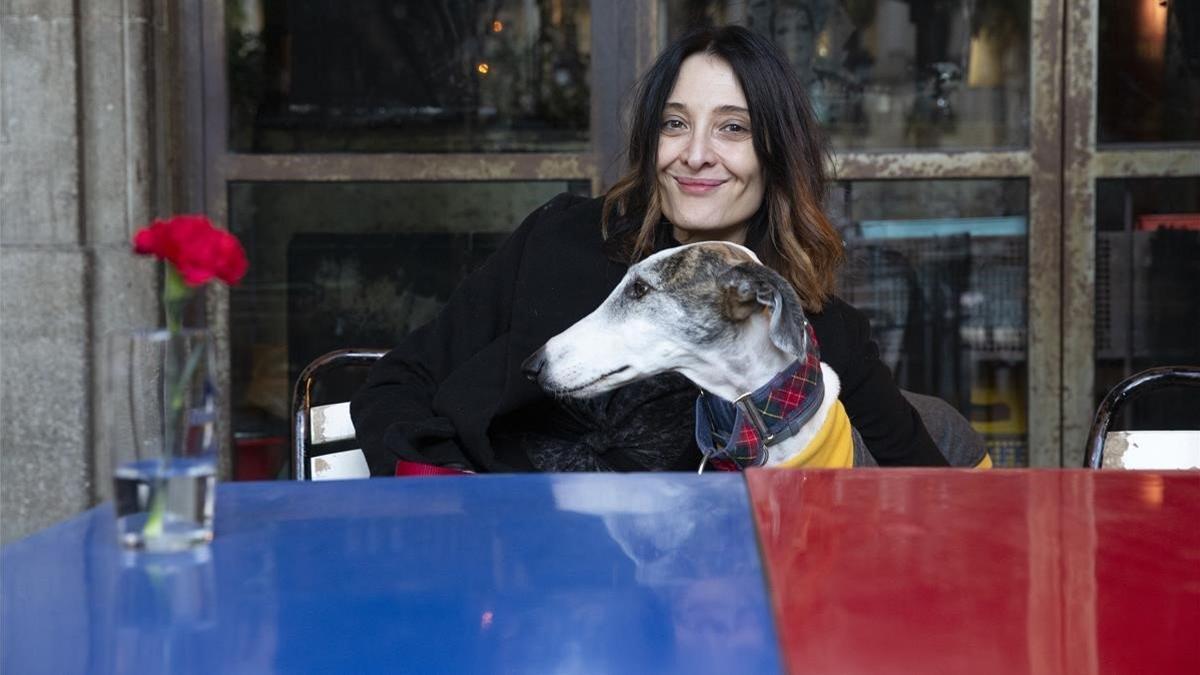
[{"x": 1017, "y": 185}]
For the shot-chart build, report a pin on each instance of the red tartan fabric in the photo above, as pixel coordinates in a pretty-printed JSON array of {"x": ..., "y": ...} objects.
[{"x": 777, "y": 402}]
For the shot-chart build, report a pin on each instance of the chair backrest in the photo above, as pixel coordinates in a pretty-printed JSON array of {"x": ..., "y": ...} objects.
[
  {"x": 314, "y": 426},
  {"x": 1152, "y": 449}
]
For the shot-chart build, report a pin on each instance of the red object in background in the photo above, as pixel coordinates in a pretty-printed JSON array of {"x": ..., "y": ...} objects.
[
  {"x": 404, "y": 468},
  {"x": 1015, "y": 571},
  {"x": 259, "y": 458},
  {"x": 1168, "y": 221}
]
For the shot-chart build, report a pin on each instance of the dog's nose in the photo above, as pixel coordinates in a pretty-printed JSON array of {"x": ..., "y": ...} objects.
[{"x": 532, "y": 366}]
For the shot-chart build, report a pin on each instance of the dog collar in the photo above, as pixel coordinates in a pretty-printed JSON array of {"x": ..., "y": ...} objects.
[{"x": 736, "y": 435}]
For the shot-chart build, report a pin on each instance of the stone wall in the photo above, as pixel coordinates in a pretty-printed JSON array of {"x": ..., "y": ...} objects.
[{"x": 77, "y": 167}]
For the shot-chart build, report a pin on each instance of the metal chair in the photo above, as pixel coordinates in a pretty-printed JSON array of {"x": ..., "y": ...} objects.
[
  {"x": 1143, "y": 449},
  {"x": 325, "y": 424}
]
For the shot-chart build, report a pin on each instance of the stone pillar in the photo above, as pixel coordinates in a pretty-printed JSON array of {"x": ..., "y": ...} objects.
[
  {"x": 75, "y": 177},
  {"x": 117, "y": 181}
]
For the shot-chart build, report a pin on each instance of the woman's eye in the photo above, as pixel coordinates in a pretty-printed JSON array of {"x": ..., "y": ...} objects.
[
  {"x": 638, "y": 289},
  {"x": 672, "y": 125},
  {"x": 735, "y": 128}
]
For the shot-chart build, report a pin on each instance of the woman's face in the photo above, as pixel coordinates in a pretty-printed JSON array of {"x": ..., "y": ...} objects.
[{"x": 709, "y": 177}]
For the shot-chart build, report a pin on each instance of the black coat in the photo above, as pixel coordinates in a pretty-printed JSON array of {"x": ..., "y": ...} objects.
[{"x": 441, "y": 395}]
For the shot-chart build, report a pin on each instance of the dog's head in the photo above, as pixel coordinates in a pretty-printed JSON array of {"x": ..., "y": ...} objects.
[{"x": 697, "y": 309}]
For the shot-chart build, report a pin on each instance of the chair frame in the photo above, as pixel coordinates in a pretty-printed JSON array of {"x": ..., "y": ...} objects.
[
  {"x": 302, "y": 397},
  {"x": 1135, "y": 385}
]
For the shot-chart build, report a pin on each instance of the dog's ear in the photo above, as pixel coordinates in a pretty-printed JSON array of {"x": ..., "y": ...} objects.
[
  {"x": 750, "y": 287},
  {"x": 744, "y": 292}
]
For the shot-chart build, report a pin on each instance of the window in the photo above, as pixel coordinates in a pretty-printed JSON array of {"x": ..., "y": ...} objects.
[
  {"x": 389, "y": 76},
  {"x": 940, "y": 267},
  {"x": 886, "y": 75}
]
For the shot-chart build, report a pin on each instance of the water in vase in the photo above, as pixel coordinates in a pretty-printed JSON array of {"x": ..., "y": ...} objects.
[{"x": 164, "y": 506}]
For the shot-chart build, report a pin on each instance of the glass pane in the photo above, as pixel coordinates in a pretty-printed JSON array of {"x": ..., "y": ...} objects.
[
  {"x": 896, "y": 74},
  {"x": 1149, "y": 71},
  {"x": 940, "y": 267},
  {"x": 1147, "y": 285},
  {"x": 395, "y": 76},
  {"x": 336, "y": 265}
]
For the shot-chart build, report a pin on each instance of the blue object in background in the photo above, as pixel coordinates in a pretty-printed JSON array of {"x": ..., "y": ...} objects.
[{"x": 999, "y": 226}]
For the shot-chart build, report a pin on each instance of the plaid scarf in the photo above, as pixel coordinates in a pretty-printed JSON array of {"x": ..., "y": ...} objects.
[{"x": 736, "y": 435}]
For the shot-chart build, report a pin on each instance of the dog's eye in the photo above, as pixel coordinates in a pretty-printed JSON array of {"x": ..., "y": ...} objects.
[{"x": 638, "y": 289}]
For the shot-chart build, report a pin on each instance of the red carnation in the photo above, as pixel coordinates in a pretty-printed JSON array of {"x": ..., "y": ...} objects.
[{"x": 198, "y": 250}]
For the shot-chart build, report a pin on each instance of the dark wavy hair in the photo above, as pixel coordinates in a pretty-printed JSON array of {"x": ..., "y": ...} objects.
[{"x": 790, "y": 232}]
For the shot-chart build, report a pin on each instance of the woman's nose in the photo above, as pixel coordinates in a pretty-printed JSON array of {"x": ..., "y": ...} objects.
[{"x": 699, "y": 151}]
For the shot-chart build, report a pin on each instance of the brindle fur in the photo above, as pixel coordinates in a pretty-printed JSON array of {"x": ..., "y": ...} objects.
[{"x": 708, "y": 311}]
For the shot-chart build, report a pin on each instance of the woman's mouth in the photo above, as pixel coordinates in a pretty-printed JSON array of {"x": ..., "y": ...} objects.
[{"x": 697, "y": 186}]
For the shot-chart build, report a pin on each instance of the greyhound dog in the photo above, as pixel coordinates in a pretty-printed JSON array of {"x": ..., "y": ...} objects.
[{"x": 714, "y": 313}]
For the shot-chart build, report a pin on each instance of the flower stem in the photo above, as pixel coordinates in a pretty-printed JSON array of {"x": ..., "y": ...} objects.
[
  {"x": 175, "y": 296},
  {"x": 158, "y": 506}
]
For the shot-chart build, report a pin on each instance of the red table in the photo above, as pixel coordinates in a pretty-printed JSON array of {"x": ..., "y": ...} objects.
[{"x": 1032, "y": 571}]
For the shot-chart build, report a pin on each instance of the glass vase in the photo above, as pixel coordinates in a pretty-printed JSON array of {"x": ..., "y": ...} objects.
[{"x": 158, "y": 419}]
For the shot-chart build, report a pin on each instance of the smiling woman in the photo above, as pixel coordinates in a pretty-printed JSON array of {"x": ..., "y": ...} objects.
[
  {"x": 722, "y": 146},
  {"x": 709, "y": 176}
]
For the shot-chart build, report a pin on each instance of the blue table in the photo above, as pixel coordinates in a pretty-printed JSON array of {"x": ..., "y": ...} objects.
[{"x": 548, "y": 573}]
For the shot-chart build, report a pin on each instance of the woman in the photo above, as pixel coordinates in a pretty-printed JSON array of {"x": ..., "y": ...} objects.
[{"x": 723, "y": 146}]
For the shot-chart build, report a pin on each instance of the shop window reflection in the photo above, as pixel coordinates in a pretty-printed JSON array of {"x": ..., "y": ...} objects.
[
  {"x": 1149, "y": 71},
  {"x": 394, "y": 76},
  {"x": 892, "y": 74},
  {"x": 940, "y": 268},
  {"x": 336, "y": 265},
  {"x": 1147, "y": 285}
]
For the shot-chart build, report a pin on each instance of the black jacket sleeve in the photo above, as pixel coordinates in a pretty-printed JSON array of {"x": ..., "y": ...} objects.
[
  {"x": 394, "y": 412},
  {"x": 889, "y": 425}
]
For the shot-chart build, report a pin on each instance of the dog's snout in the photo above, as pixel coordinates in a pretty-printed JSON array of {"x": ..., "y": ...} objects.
[{"x": 532, "y": 366}]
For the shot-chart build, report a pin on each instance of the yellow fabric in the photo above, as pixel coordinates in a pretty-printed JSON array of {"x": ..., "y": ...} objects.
[{"x": 831, "y": 448}]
